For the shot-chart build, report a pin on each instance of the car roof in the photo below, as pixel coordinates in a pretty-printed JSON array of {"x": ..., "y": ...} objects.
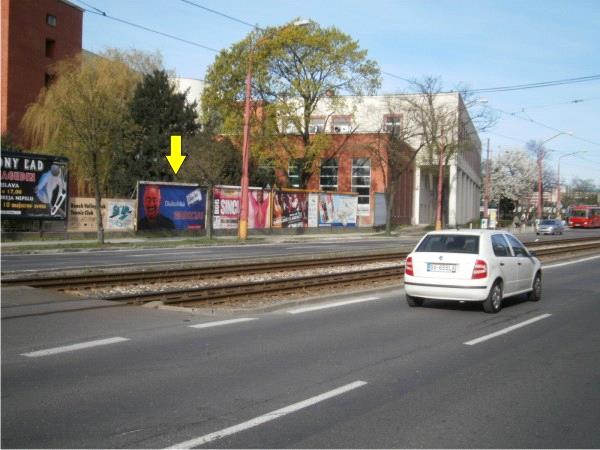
[{"x": 467, "y": 231}]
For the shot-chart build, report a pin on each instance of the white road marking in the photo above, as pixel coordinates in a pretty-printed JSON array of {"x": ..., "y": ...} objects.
[
  {"x": 551, "y": 266},
  {"x": 71, "y": 348},
  {"x": 222, "y": 322},
  {"x": 268, "y": 417},
  {"x": 331, "y": 305},
  {"x": 506, "y": 330}
]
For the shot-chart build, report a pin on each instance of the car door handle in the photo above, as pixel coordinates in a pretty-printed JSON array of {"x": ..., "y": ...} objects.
[
  {"x": 519, "y": 264},
  {"x": 501, "y": 264}
]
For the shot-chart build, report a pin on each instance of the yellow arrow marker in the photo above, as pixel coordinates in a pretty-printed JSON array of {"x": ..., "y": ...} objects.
[{"x": 176, "y": 158}]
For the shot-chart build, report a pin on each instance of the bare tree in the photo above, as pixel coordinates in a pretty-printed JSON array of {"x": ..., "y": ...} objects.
[
  {"x": 391, "y": 152},
  {"x": 446, "y": 124}
]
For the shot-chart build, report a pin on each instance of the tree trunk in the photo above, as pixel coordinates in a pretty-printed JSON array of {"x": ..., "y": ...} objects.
[
  {"x": 389, "y": 205},
  {"x": 96, "y": 181},
  {"x": 438, "y": 213},
  {"x": 208, "y": 217}
]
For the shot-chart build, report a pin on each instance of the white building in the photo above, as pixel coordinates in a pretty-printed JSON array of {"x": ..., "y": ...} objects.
[
  {"x": 192, "y": 88},
  {"x": 462, "y": 180}
]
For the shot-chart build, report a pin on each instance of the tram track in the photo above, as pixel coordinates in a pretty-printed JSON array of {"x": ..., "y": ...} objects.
[{"x": 240, "y": 281}]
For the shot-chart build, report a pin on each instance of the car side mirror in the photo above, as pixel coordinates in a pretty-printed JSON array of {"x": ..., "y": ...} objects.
[{"x": 533, "y": 254}]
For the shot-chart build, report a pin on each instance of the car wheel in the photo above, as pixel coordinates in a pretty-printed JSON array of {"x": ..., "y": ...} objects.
[
  {"x": 413, "y": 301},
  {"x": 536, "y": 293},
  {"x": 493, "y": 303}
]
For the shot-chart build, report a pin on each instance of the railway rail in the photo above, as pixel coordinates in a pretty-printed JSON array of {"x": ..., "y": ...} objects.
[{"x": 354, "y": 274}]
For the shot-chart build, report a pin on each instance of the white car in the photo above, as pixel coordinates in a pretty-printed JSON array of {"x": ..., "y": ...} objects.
[{"x": 471, "y": 265}]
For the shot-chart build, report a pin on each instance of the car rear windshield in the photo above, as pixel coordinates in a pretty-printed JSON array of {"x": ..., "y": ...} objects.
[
  {"x": 449, "y": 243},
  {"x": 579, "y": 213}
]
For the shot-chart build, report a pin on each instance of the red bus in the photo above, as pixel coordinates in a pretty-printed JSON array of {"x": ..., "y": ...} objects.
[{"x": 584, "y": 216}]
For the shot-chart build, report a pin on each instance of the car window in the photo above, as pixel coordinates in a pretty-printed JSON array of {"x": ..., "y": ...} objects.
[
  {"x": 500, "y": 245},
  {"x": 449, "y": 243},
  {"x": 547, "y": 222},
  {"x": 517, "y": 247}
]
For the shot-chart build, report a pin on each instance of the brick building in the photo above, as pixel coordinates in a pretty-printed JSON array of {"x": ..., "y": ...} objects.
[
  {"x": 353, "y": 167},
  {"x": 35, "y": 35}
]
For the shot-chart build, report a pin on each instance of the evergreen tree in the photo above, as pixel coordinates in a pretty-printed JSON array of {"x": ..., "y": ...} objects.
[{"x": 158, "y": 112}]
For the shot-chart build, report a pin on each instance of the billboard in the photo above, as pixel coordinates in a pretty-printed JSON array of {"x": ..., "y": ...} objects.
[
  {"x": 338, "y": 210},
  {"x": 226, "y": 207},
  {"x": 34, "y": 186},
  {"x": 290, "y": 209},
  {"x": 170, "y": 206},
  {"x": 117, "y": 214}
]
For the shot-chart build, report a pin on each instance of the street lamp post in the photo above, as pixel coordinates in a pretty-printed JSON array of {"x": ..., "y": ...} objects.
[
  {"x": 540, "y": 157},
  {"x": 243, "y": 225},
  {"x": 558, "y": 205}
]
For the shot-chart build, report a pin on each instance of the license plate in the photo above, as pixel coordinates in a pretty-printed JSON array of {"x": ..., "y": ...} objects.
[{"x": 445, "y": 268}]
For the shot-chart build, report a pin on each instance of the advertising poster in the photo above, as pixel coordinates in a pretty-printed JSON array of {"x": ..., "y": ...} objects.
[
  {"x": 226, "y": 207},
  {"x": 337, "y": 210},
  {"x": 170, "y": 206},
  {"x": 34, "y": 186},
  {"x": 290, "y": 209},
  {"x": 259, "y": 208},
  {"x": 313, "y": 210},
  {"x": 117, "y": 214}
]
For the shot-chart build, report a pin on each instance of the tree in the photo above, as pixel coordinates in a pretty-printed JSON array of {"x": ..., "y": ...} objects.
[
  {"x": 392, "y": 153},
  {"x": 157, "y": 112},
  {"x": 84, "y": 115},
  {"x": 511, "y": 176},
  {"x": 212, "y": 161},
  {"x": 446, "y": 127},
  {"x": 293, "y": 69}
]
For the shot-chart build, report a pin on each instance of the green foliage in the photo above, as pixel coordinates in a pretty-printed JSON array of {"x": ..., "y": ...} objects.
[
  {"x": 8, "y": 143},
  {"x": 157, "y": 111},
  {"x": 293, "y": 68},
  {"x": 210, "y": 161}
]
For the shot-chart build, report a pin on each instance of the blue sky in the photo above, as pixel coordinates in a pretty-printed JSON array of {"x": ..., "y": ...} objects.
[{"x": 478, "y": 43}]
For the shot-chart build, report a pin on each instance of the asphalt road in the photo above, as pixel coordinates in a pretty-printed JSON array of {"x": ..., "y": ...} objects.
[
  {"x": 369, "y": 374},
  {"x": 49, "y": 260}
]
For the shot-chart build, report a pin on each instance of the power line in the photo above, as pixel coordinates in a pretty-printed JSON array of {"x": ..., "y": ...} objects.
[
  {"x": 218, "y": 13},
  {"x": 101, "y": 13},
  {"x": 529, "y": 119},
  {"x": 519, "y": 87}
]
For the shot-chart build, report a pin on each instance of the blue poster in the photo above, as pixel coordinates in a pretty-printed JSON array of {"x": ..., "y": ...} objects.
[{"x": 170, "y": 206}]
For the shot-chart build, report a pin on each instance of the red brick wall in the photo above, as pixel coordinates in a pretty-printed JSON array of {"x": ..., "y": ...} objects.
[
  {"x": 356, "y": 147},
  {"x": 24, "y": 60}
]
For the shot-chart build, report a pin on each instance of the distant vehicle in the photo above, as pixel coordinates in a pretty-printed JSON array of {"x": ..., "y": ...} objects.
[
  {"x": 471, "y": 265},
  {"x": 584, "y": 216},
  {"x": 550, "y": 226}
]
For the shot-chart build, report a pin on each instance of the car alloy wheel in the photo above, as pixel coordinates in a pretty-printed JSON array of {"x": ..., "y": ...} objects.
[
  {"x": 536, "y": 294},
  {"x": 493, "y": 303}
]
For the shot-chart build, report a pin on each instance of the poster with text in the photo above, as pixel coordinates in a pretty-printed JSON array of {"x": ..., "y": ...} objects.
[
  {"x": 117, "y": 214},
  {"x": 290, "y": 209},
  {"x": 170, "y": 206},
  {"x": 34, "y": 186},
  {"x": 226, "y": 207}
]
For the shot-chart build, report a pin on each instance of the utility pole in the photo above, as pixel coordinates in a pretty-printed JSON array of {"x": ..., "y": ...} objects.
[{"x": 486, "y": 195}]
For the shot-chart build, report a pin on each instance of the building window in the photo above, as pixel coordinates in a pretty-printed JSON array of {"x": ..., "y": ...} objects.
[
  {"x": 50, "y": 45},
  {"x": 317, "y": 125},
  {"x": 392, "y": 123},
  {"x": 294, "y": 174},
  {"x": 51, "y": 20},
  {"x": 341, "y": 124},
  {"x": 361, "y": 184},
  {"x": 48, "y": 79},
  {"x": 329, "y": 174}
]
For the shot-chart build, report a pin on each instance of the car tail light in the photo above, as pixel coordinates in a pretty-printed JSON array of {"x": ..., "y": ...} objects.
[
  {"x": 480, "y": 270},
  {"x": 408, "y": 267}
]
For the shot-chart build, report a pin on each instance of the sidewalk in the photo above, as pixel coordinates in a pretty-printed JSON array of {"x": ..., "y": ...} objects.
[{"x": 71, "y": 244}]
